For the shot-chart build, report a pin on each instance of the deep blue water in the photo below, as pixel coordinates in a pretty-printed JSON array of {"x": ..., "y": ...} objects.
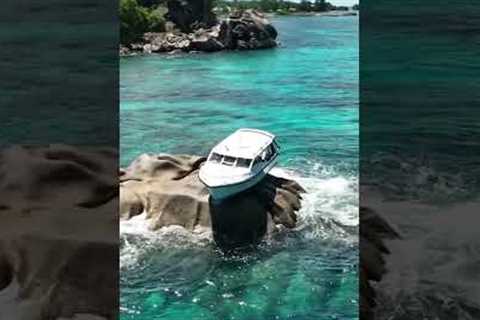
[{"x": 306, "y": 92}]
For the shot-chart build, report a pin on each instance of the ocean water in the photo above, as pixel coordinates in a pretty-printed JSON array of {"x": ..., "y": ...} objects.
[
  {"x": 419, "y": 137},
  {"x": 306, "y": 92}
]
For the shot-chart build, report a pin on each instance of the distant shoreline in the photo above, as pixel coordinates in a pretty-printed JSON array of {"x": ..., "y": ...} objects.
[
  {"x": 333, "y": 13},
  {"x": 208, "y": 41}
]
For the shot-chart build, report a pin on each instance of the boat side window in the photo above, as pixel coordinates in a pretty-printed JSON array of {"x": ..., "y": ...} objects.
[
  {"x": 267, "y": 153},
  {"x": 229, "y": 161},
  {"x": 270, "y": 152},
  {"x": 215, "y": 157},
  {"x": 243, "y": 163}
]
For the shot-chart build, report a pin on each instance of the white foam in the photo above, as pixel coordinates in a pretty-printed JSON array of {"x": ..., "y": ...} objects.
[
  {"x": 331, "y": 201},
  {"x": 137, "y": 238}
]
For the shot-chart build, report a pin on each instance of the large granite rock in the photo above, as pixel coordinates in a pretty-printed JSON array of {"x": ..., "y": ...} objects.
[
  {"x": 58, "y": 233},
  {"x": 249, "y": 29},
  {"x": 243, "y": 30},
  {"x": 189, "y": 15},
  {"x": 168, "y": 190}
]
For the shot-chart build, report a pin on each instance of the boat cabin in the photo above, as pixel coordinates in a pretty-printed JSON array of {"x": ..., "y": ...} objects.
[
  {"x": 245, "y": 148},
  {"x": 239, "y": 162}
]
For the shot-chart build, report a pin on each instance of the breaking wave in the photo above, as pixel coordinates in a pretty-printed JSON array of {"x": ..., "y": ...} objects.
[{"x": 330, "y": 206}]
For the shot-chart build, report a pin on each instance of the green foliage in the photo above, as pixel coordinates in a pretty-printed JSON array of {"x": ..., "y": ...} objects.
[
  {"x": 157, "y": 20},
  {"x": 151, "y": 3},
  {"x": 305, "y": 6},
  {"x": 320, "y": 5},
  {"x": 135, "y": 20},
  {"x": 276, "y": 6}
]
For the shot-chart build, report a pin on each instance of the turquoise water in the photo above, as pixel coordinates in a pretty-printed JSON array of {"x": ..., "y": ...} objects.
[
  {"x": 419, "y": 139},
  {"x": 306, "y": 92},
  {"x": 419, "y": 100}
]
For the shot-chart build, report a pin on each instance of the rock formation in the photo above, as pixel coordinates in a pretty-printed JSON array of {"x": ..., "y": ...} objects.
[
  {"x": 242, "y": 30},
  {"x": 168, "y": 190},
  {"x": 189, "y": 15},
  {"x": 373, "y": 231},
  {"x": 58, "y": 233}
]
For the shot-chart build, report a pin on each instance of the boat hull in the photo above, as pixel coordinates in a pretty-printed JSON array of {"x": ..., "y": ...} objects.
[{"x": 225, "y": 191}]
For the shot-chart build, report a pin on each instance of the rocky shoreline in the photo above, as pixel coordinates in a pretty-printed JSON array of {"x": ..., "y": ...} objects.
[
  {"x": 166, "y": 188},
  {"x": 242, "y": 30}
]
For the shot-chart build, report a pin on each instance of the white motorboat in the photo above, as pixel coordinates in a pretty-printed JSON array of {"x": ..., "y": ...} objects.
[{"x": 239, "y": 162}]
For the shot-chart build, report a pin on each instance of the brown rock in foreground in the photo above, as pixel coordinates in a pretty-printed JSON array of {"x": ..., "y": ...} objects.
[
  {"x": 374, "y": 230},
  {"x": 58, "y": 233},
  {"x": 168, "y": 190}
]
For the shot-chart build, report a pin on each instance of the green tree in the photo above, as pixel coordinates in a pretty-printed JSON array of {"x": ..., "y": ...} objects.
[
  {"x": 269, "y": 5},
  {"x": 156, "y": 19},
  {"x": 135, "y": 20},
  {"x": 305, "y": 6},
  {"x": 320, "y": 5}
]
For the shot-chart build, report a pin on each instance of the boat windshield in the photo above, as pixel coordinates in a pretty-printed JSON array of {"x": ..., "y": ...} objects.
[
  {"x": 215, "y": 157},
  {"x": 243, "y": 163},
  {"x": 229, "y": 161}
]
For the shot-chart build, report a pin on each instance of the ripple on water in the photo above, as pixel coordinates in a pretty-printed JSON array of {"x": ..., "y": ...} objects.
[{"x": 307, "y": 271}]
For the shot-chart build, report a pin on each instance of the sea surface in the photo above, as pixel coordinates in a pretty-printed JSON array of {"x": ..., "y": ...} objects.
[
  {"x": 306, "y": 92},
  {"x": 420, "y": 147}
]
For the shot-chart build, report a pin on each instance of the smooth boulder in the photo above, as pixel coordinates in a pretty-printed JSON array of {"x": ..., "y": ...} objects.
[{"x": 58, "y": 233}]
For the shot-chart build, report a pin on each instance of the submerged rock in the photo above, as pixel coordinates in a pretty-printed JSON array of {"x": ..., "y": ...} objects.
[{"x": 167, "y": 189}]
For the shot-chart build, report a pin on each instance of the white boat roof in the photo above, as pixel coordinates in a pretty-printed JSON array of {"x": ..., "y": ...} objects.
[{"x": 244, "y": 143}]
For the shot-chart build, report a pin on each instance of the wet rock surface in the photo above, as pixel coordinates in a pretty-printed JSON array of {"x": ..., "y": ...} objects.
[
  {"x": 58, "y": 233},
  {"x": 167, "y": 189}
]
